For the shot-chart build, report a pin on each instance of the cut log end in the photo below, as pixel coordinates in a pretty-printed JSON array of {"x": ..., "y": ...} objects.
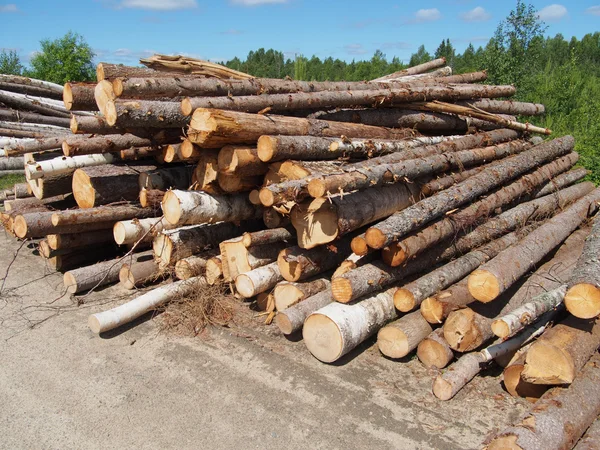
[
  {"x": 126, "y": 278},
  {"x": 483, "y": 286},
  {"x": 394, "y": 255},
  {"x": 404, "y": 300},
  {"x": 392, "y": 342},
  {"x": 548, "y": 364},
  {"x": 186, "y": 107},
  {"x": 442, "y": 389},
  {"x": 322, "y": 337},
  {"x": 20, "y": 227},
  {"x": 94, "y": 324},
  {"x": 283, "y": 323},
  {"x": 254, "y": 197},
  {"x": 317, "y": 188},
  {"x": 583, "y": 301},
  {"x": 83, "y": 192},
  {"x": 267, "y": 198},
  {"x": 432, "y": 310},
  {"x": 119, "y": 233},
  {"x": 68, "y": 96},
  {"x": 458, "y": 329},
  {"x": 162, "y": 248},
  {"x": 504, "y": 443},
  {"x": 375, "y": 238},
  {"x": 341, "y": 288},
  {"x": 286, "y": 295},
  {"x": 171, "y": 208},
  {"x": 500, "y": 329},
  {"x": 70, "y": 283},
  {"x": 266, "y": 147},
  {"x": 433, "y": 354},
  {"x": 245, "y": 286},
  {"x": 359, "y": 246}
]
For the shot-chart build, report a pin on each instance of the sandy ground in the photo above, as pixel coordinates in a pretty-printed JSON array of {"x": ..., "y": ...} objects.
[{"x": 62, "y": 387}]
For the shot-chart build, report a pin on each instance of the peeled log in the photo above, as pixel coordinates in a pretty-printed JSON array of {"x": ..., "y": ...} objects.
[
  {"x": 139, "y": 273},
  {"x": 258, "y": 280},
  {"x": 193, "y": 207},
  {"x": 559, "y": 418},
  {"x": 287, "y": 294},
  {"x": 113, "y": 318},
  {"x": 434, "y": 352},
  {"x": 399, "y": 338},
  {"x": 583, "y": 293},
  {"x": 496, "y": 276},
  {"x": 432, "y": 207}
]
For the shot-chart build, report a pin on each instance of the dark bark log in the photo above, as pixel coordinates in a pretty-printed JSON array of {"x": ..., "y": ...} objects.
[
  {"x": 151, "y": 198},
  {"x": 85, "y": 145},
  {"x": 85, "y": 239},
  {"x": 27, "y": 117},
  {"x": 145, "y": 114},
  {"x": 100, "y": 214},
  {"x": 79, "y": 97}
]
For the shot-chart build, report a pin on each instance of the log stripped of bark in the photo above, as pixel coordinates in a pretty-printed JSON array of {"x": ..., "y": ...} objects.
[
  {"x": 79, "y": 97},
  {"x": 399, "y": 338},
  {"x": 139, "y": 273},
  {"x": 258, "y": 280},
  {"x": 559, "y": 418},
  {"x": 113, "y": 318},
  {"x": 434, "y": 351},
  {"x": 86, "y": 145},
  {"x": 128, "y": 232},
  {"x": 194, "y": 207},
  {"x": 432, "y": 207},
  {"x": 496, "y": 276},
  {"x": 287, "y": 294},
  {"x": 583, "y": 293}
]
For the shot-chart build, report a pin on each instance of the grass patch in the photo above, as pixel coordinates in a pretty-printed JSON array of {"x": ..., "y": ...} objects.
[{"x": 8, "y": 181}]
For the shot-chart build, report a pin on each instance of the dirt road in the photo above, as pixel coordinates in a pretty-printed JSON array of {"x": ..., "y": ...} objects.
[{"x": 62, "y": 387}]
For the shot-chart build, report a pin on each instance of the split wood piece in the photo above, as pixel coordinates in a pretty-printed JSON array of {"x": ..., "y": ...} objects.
[
  {"x": 434, "y": 352},
  {"x": 79, "y": 97},
  {"x": 583, "y": 292},
  {"x": 468, "y": 328},
  {"x": 64, "y": 164},
  {"x": 194, "y": 207},
  {"x": 442, "y": 107},
  {"x": 193, "y": 266},
  {"x": 12, "y": 163},
  {"x": 590, "y": 439},
  {"x": 516, "y": 386},
  {"x": 521, "y": 317},
  {"x": 99, "y": 274},
  {"x": 273, "y": 219},
  {"x": 206, "y": 172},
  {"x": 560, "y": 353},
  {"x": 505, "y": 107},
  {"x": 211, "y": 128},
  {"x": 144, "y": 114},
  {"x": 265, "y": 237},
  {"x": 563, "y": 180},
  {"x": 559, "y": 418},
  {"x": 108, "y": 183},
  {"x": 27, "y": 117},
  {"x": 132, "y": 231},
  {"x": 84, "y": 239},
  {"x": 356, "y": 178},
  {"x": 99, "y": 214},
  {"x": 121, "y": 315},
  {"x": 287, "y": 294},
  {"x": 322, "y": 220},
  {"x": 39, "y": 224},
  {"x": 258, "y": 280},
  {"x": 34, "y": 145},
  {"x": 107, "y": 71},
  {"x": 173, "y": 245},
  {"x": 33, "y": 104},
  {"x": 86, "y": 145},
  {"x": 413, "y": 217},
  {"x": 151, "y": 198},
  {"x": 137, "y": 153},
  {"x": 179, "y": 177},
  {"x": 238, "y": 259},
  {"x": 411, "y": 296},
  {"x": 140, "y": 273},
  {"x": 79, "y": 258},
  {"x": 214, "y": 270},
  {"x": 186, "y": 65},
  {"x": 468, "y": 366},
  {"x": 241, "y": 161},
  {"x": 233, "y": 183},
  {"x": 399, "y": 338},
  {"x": 497, "y": 275}
]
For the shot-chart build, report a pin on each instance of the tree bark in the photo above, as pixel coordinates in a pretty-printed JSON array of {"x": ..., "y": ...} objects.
[
  {"x": 85, "y": 239},
  {"x": 241, "y": 161},
  {"x": 193, "y": 207},
  {"x": 86, "y": 145},
  {"x": 52, "y": 186},
  {"x": 288, "y": 294},
  {"x": 100, "y": 214},
  {"x": 14, "y": 115},
  {"x": 33, "y": 104},
  {"x": 96, "y": 125},
  {"x": 151, "y": 198},
  {"x": 16, "y": 162},
  {"x": 414, "y": 217},
  {"x": 131, "y": 231},
  {"x": 445, "y": 181},
  {"x": 559, "y": 418},
  {"x": 178, "y": 177},
  {"x": 79, "y": 258},
  {"x": 138, "y": 153},
  {"x": 39, "y": 224},
  {"x": 65, "y": 165},
  {"x": 192, "y": 266},
  {"x": 57, "y": 89},
  {"x": 292, "y": 319},
  {"x": 258, "y": 280},
  {"x": 562, "y": 181},
  {"x": 590, "y": 439},
  {"x": 106, "y": 71},
  {"x": 434, "y": 352},
  {"x": 399, "y": 338},
  {"x": 139, "y": 273},
  {"x": 505, "y": 107},
  {"x": 144, "y": 114},
  {"x": 265, "y": 237},
  {"x": 79, "y": 97},
  {"x": 273, "y": 219}
]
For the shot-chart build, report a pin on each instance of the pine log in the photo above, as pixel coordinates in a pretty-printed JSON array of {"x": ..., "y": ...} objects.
[
  {"x": 86, "y": 145},
  {"x": 84, "y": 239},
  {"x": 18, "y": 80},
  {"x": 399, "y": 338},
  {"x": 559, "y": 418},
  {"x": 79, "y": 97},
  {"x": 414, "y": 70},
  {"x": 21, "y": 190},
  {"x": 287, "y": 294},
  {"x": 144, "y": 114},
  {"x": 206, "y": 172},
  {"x": 516, "y": 386},
  {"x": 137, "y": 153},
  {"x": 113, "y": 318},
  {"x": 505, "y": 107},
  {"x": 64, "y": 164},
  {"x": 241, "y": 161},
  {"x": 34, "y": 145},
  {"x": 444, "y": 182},
  {"x": 79, "y": 258},
  {"x": 139, "y": 273},
  {"x": 129, "y": 232},
  {"x": 563, "y": 180},
  {"x": 151, "y": 198},
  {"x": 265, "y": 237},
  {"x": 497, "y": 275},
  {"x": 39, "y": 224},
  {"x": 28, "y": 117},
  {"x": 583, "y": 292},
  {"x": 29, "y": 134},
  {"x": 99, "y": 274},
  {"x": 433, "y": 351},
  {"x": 193, "y": 207},
  {"x": 107, "y": 71},
  {"x": 214, "y": 270},
  {"x": 273, "y": 219},
  {"x": 590, "y": 439},
  {"x": 108, "y": 183},
  {"x": 35, "y": 128},
  {"x": 99, "y": 214},
  {"x": 414, "y": 217},
  {"x": 46, "y": 252},
  {"x": 90, "y": 124},
  {"x": 33, "y": 104},
  {"x": 193, "y": 266},
  {"x": 322, "y": 220},
  {"x": 52, "y": 186},
  {"x": 178, "y": 177},
  {"x": 258, "y": 280}
]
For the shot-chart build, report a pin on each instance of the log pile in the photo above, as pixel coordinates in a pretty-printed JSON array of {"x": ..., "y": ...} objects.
[{"x": 416, "y": 209}]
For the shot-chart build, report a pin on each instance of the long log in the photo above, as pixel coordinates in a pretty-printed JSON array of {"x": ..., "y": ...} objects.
[
  {"x": 26, "y": 81},
  {"x": 27, "y": 117},
  {"x": 415, "y": 70},
  {"x": 86, "y": 145},
  {"x": 563, "y": 180},
  {"x": 91, "y": 125},
  {"x": 79, "y": 258},
  {"x": 434, "y": 351},
  {"x": 258, "y": 280},
  {"x": 144, "y": 114},
  {"x": 85, "y": 239},
  {"x": 39, "y": 224},
  {"x": 34, "y": 104},
  {"x": 559, "y": 418},
  {"x": 414, "y": 217},
  {"x": 113, "y": 318},
  {"x": 79, "y": 97},
  {"x": 128, "y": 232},
  {"x": 266, "y": 237},
  {"x": 399, "y": 338},
  {"x": 497, "y": 275},
  {"x": 583, "y": 292},
  {"x": 506, "y": 107},
  {"x": 139, "y": 273},
  {"x": 14, "y": 163},
  {"x": 64, "y": 164},
  {"x": 90, "y": 216},
  {"x": 107, "y": 71},
  {"x": 34, "y": 146}
]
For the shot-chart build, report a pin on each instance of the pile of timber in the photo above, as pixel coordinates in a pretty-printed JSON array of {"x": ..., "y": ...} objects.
[{"x": 414, "y": 208}]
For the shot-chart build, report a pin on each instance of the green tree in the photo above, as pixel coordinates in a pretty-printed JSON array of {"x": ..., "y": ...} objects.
[
  {"x": 10, "y": 64},
  {"x": 68, "y": 58},
  {"x": 446, "y": 50},
  {"x": 422, "y": 56}
]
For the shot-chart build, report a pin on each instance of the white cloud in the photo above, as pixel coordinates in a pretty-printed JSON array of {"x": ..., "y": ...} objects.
[
  {"x": 552, "y": 13},
  {"x": 10, "y": 8},
  {"x": 159, "y": 5},
  {"x": 355, "y": 49},
  {"x": 477, "y": 14},
  {"x": 427, "y": 15},
  {"x": 593, "y": 10},
  {"x": 257, "y": 2}
]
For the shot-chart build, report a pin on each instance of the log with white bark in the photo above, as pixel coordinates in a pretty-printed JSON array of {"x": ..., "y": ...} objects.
[
  {"x": 258, "y": 280},
  {"x": 128, "y": 232},
  {"x": 237, "y": 258},
  {"x": 292, "y": 319},
  {"x": 139, "y": 273},
  {"x": 64, "y": 164},
  {"x": 121, "y": 315},
  {"x": 192, "y": 266},
  {"x": 399, "y": 338},
  {"x": 434, "y": 351}
]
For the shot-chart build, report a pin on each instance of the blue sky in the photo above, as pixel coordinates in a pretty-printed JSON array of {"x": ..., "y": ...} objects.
[{"x": 124, "y": 30}]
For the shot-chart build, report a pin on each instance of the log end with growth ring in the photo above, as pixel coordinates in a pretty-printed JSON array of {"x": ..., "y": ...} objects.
[
  {"x": 459, "y": 331},
  {"x": 286, "y": 295},
  {"x": 83, "y": 192},
  {"x": 375, "y": 238},
  {"x": 322, "y": 338},
  {"x": 317, "y": 188},
  {"x": 110, "y": 113},
  {"x": 126, "y": 278},
  {"x": 341, "y": 289},
  {"x": 68, "y": 96},
  {"x": 162, "y": 248},
  {"x": 432, "y": 310},
  {"x": 359, "y": 246},
  {"x": 433, "y": 354},
  {"x": 20, "y": 226},
  {"x": 442, "y": 389},
  {"x": 483, "y": 285},
  {"x": 291, "y": 270},
  {"x": 245, "y": 286},
  {"x": 394, "y": 255},
  {"x": 583, "y": 301},
  {"x": 119, "y": 233},
  {"x": 392, "y": 342},
  {"x": 70, "y": 283},
  {"x": 186, "y": 107},
  {"x": 187, "y": 149},
  {"x": 548, "y": 364},
  {"x": 254, "y": 197},
  {"x": 283, "y": 323},
  {"x": 266, "y": 197},
  {"x": 404, "y": 300},
  {"x": 171, "y": 207},
  {"x": 266, "y": 147},
  {"x": 500, "y": 329}
]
